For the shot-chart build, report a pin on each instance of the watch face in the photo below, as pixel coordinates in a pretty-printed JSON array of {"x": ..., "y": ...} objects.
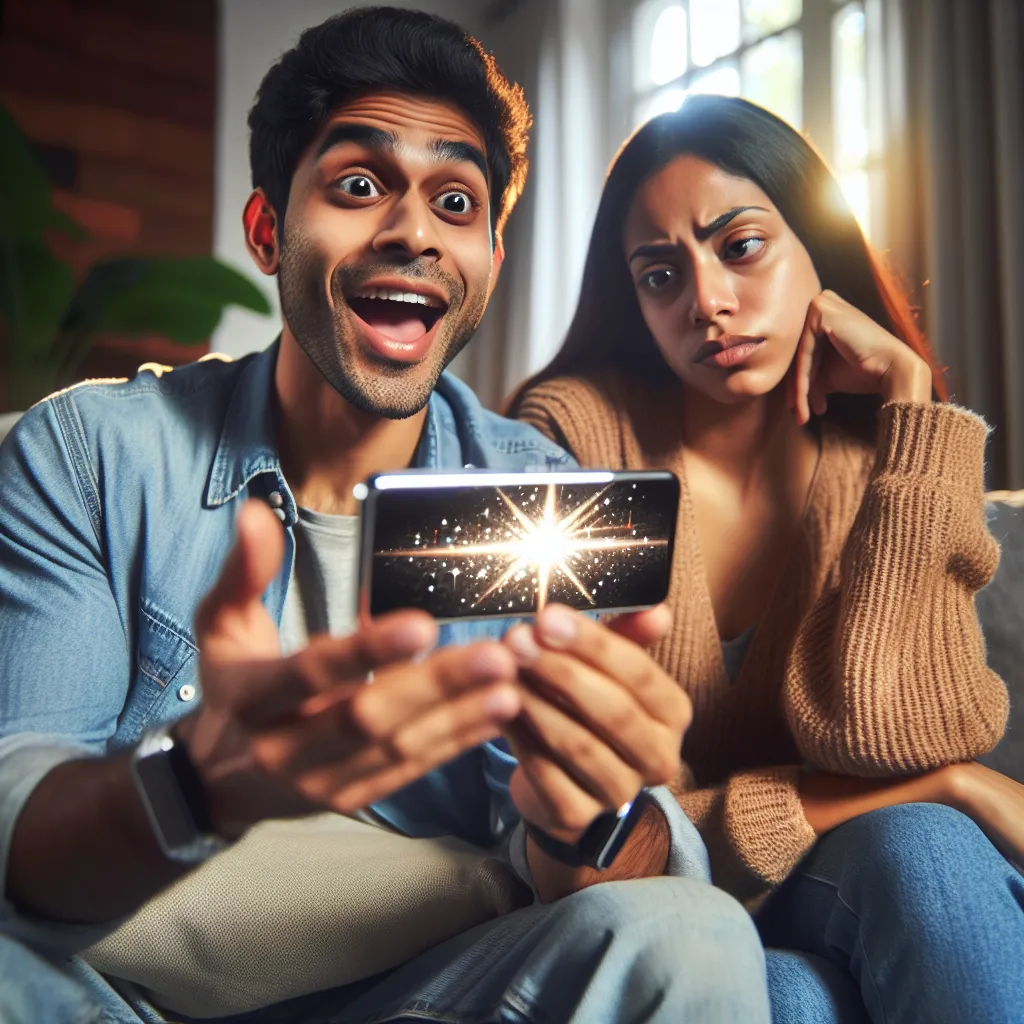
[
  {"x": 604, "y": 839},
  {"x": 162, "y": 794}
]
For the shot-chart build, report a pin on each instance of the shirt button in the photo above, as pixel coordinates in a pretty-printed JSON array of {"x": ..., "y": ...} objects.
[
  {"x": 187, "y": 692},
  {"x": 280, "y": 513},
  {"x": 276, "y": 499}
]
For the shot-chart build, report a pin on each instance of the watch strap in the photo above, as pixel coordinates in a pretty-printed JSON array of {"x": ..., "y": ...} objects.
[
  {"x": 172, "y": 794},
  {"x": 600, "y": 844}
]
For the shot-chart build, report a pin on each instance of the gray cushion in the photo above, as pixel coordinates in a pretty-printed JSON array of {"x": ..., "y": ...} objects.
[{"x": 1001, "y": 610}]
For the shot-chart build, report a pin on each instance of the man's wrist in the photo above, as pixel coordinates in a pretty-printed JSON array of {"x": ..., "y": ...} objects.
[{"x": 174, "y": 797}]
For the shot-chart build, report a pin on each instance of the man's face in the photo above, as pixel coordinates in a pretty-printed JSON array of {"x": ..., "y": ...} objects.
[{"x": 386, "y": 257}]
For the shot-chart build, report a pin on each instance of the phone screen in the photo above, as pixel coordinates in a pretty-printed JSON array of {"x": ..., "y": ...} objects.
[{"x": 514, "y": 543}]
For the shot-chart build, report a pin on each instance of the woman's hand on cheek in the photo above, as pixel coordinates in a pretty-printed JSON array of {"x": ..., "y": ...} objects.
[{"x": 843, "y": 350}]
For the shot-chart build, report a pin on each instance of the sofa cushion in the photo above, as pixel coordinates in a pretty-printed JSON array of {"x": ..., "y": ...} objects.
[{"x": 1001, "y": 611}]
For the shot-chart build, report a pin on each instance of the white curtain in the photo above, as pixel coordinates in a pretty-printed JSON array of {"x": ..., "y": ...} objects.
[{"x": 558, "y": 52}]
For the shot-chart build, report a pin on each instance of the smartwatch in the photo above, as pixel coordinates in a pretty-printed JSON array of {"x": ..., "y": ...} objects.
[
  {"x": 600, "y": 844},
  {"x": 172, "y": 793}
]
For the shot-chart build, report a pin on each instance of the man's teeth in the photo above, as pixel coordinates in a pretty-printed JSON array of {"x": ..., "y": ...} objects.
[{"x": 394, "y": 295}]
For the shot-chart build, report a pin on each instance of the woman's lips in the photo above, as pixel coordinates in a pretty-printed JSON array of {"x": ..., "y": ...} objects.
[{"x": 728, "y": 351}]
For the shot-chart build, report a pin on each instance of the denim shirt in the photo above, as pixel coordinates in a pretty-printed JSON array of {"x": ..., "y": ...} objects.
[{"x": 117, "y": 508}]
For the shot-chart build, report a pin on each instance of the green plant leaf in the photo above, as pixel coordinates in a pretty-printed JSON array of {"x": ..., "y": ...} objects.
[
  {"x": 68, "y": 226},
  {"x": 35, "y": 288},
  {"x": 24, "y": 187},
  {"x": 181, "y": 299},
  {"x": 26, "y": 208}
]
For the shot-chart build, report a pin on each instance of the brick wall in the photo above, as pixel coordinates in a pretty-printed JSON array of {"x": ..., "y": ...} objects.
[{"x": 119, "y": 96}]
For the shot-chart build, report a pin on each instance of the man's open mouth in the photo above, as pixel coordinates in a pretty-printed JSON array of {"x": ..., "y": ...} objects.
[{"x": 400, "y": 318}]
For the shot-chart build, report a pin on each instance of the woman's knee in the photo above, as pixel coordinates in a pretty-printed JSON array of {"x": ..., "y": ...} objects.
[{"x": 910, "y": 853}]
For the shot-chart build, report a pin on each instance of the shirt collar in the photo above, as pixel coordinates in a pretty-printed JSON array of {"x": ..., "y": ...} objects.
[{"x": 248, "y": 449}]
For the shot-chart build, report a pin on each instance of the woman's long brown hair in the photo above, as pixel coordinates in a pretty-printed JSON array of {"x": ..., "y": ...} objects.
[{"x": 608, "y": 331}]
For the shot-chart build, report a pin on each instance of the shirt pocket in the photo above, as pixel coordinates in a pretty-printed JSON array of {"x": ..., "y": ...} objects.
[{"x": 166, "y": 684}]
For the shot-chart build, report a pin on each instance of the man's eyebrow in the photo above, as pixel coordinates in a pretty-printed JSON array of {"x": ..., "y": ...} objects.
[
  {"x": 389, "y": 142},
  {"x": 704, "y": 233},
  {"x": 364, "y": 134},
  {"x": 459, "y": 152}
]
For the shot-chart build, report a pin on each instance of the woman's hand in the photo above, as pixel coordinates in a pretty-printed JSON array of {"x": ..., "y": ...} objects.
[
  {"x": 994, "y": 801},
  {"x": 842, "y": 349}
]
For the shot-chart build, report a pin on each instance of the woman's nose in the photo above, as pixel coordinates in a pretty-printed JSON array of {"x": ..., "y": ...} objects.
[{"x": 713, "y": 293}]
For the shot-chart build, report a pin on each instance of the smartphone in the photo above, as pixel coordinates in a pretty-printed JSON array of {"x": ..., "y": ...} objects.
[{"x": 478, "y": 543}]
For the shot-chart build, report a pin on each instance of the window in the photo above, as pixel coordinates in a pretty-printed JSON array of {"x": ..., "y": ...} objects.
[
  {"x": 756, "y": 49},
  {"x": 855, "y": 161}
]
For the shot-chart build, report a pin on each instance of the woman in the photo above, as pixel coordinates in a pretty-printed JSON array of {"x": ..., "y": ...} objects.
[{"x": 734, "y": 326}]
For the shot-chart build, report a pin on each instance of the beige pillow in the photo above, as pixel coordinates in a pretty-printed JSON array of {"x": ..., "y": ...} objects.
[{"x": 302, "y": 906}]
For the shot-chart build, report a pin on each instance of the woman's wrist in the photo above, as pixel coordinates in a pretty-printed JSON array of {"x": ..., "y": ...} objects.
[{"x": 908, "y": 379}]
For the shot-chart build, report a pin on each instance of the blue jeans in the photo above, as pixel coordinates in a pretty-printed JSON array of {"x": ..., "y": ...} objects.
[
  {"x": 905, "y": 914},
  {"x": 673, "y": 950}
]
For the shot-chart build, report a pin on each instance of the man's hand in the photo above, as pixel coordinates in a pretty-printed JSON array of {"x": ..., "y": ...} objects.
[
  {"x": 600, "y": 719},
  {"x": 279, "y": 736}
]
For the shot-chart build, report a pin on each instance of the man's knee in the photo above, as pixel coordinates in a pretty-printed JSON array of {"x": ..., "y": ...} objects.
[
  {"x": 34, "y": 989},
  {"x": 685, "y": 939}
]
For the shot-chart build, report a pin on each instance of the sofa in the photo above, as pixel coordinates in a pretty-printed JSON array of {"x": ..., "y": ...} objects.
[{"x": 1001, "y": 611}]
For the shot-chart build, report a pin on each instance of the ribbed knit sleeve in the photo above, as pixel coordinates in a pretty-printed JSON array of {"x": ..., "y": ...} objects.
[
  {"x": 888, "y": 670},
  {"x": 754, "y": 828},
  {"x": 576, "y": 415}
]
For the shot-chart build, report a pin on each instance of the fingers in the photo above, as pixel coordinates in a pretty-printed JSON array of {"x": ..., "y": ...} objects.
[
  {"x": 402, "y": 693},
  {"x": 259, "y": 694},
  {"x": 389, "y": 714},
  {"x": 610, "y": 652},
  {"x": 817, "y": 392},
  {"x": 580, "y": 755},
  {"x": 347, "y": 786},
  {"x": 545, "y": 795},
  {"x": 642, "y": 628},
  {"x": 596, "y": 710},
  {"x": 253, "y": 562},
  {"x": 804, "y": 364}
]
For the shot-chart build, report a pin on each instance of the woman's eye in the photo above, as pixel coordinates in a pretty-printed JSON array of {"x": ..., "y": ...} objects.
[
  {"x": 458, "y": 203},
  {"x": 657, "y": 279},
  {"x": 359, "y": 186},
  {"x": 744, "y": 247}
]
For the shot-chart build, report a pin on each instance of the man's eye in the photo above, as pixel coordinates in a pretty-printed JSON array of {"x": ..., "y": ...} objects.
[
  {"x": 458, "y": 203},
  {"x": 744, "y": 247},
  {"x": 359, "y": 186},
  {"x": 657, "y": 279}
]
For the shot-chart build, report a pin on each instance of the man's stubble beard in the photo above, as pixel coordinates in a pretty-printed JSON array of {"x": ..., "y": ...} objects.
[{"x": 329, "y": 337}]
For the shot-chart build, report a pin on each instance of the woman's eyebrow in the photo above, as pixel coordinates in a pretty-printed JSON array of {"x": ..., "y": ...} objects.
[
  {"x": 653, "y": 250},
  {"x": 704, "y": 233}
]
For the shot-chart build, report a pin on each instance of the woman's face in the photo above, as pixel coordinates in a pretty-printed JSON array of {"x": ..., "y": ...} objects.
[{"x": 722, "y": 281}]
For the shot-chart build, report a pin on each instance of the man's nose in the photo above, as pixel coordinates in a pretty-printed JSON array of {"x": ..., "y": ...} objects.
[
  {"x": 410, "y": 231},
  {"x": 713, "y": 293}
]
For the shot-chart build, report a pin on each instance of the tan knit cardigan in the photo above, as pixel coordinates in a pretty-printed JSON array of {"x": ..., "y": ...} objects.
[{"x": 868, "y": 659}]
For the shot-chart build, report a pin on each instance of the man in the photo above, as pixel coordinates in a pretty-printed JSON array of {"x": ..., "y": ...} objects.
[{"x": 387, "y": 151}]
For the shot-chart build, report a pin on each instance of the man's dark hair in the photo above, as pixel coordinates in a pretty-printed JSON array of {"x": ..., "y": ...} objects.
[{"x": 376, "y": 48}]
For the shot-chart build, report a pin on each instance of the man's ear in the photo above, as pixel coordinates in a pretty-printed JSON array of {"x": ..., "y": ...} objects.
[
  {"x": 497, "y": 259},
  {"x": 261, "y": 232}
]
